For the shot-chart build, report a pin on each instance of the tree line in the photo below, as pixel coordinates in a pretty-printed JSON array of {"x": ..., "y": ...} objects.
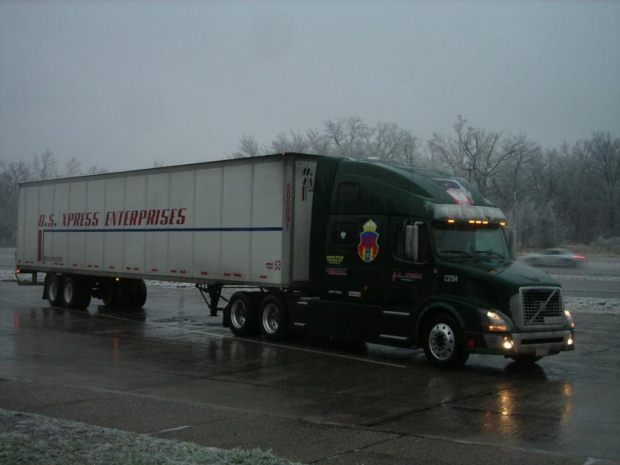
[
  {"x": 40, "y": 168},
  {"x": 553, "y": 197}
]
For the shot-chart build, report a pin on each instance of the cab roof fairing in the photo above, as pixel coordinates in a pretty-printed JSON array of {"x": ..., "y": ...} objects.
[{"x": 444, "y": 212}]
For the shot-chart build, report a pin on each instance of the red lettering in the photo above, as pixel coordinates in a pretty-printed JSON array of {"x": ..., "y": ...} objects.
[
  {"x": 150, "y": 220},
  {"x": 134, "y": 218},
  {"x": 164, "y": 217},
  {"x": 41, "y": 221},
  {"x": 181, "y": 219},
  {"x": 141, "y": 217},
  {"x": 64, "y": 219},
  {"x": 96, "y": 219},
  {"x": 126, "y": 219}
]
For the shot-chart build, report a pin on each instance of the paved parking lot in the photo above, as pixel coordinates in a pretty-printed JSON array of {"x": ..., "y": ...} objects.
[{"x": 174, "y": 372}]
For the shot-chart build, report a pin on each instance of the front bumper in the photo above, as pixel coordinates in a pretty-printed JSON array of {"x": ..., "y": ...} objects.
[{"x": 538, "y": 343}]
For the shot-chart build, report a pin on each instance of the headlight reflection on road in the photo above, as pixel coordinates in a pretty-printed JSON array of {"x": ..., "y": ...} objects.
[{"x": 514, "y": 409}]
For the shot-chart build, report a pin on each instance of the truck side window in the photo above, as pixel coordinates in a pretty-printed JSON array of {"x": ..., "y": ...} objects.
[
  {"x": 348, "y": 192},
  {"x": 346, "y": 233}
]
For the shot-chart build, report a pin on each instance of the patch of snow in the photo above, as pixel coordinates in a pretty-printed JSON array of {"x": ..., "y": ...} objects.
[{"x": 592, "y": 305}]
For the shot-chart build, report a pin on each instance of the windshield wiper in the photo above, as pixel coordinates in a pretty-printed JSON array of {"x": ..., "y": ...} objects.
[
  {"x": 455, "y": 251},
  {"x": 491, "y": 252}
]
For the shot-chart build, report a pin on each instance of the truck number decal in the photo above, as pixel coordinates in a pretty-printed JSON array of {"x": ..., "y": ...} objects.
[
  {"x": 288, "y": 206},
  {"x": 275, "y": 265},
  {"x": 451, "y": 278}
]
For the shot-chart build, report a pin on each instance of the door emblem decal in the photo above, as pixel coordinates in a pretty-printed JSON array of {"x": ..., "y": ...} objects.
[{"x": 368, "y": 247}]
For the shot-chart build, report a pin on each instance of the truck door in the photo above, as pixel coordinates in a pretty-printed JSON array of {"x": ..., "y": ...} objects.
[
  {"x": 355, "y": 274},
  {"x": 410, "y": 282}
]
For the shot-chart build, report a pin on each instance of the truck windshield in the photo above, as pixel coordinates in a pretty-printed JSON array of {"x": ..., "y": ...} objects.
[{"x": 470, "y": 241}]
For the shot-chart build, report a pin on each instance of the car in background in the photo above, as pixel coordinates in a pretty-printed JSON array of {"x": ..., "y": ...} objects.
[{"x": 555, "y": 257}]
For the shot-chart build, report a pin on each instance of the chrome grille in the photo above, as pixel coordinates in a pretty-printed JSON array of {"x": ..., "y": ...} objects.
[{"x": 542, "y": 306}]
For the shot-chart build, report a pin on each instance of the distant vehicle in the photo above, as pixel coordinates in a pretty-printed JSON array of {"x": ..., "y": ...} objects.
[{"x": 556, "y": 257}]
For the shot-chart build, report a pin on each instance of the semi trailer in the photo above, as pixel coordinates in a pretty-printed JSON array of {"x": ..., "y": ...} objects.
[{"x": 351, "y": 249}]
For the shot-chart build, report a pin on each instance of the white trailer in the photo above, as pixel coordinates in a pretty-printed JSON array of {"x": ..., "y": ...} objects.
[{"x": 243, "y": 221}]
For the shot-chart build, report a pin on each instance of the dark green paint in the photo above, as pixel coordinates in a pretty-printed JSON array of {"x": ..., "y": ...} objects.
[{"x": 390, "y": 295}]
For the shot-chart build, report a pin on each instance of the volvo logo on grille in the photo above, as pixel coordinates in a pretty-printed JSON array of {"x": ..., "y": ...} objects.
[{"x": 542, "y": 308}]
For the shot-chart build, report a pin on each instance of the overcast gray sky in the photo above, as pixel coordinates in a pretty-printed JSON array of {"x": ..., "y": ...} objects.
[{"x": 126, "y": 84}]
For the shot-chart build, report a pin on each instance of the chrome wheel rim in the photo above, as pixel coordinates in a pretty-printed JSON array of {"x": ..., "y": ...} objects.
[
  {"x": 271, "y": 318},
  {"x": 52, "y": 290},
  {"x": 441, "y": 341},
  {"x": 68, "y": 293},
  {"x": 238, "y": 314}
]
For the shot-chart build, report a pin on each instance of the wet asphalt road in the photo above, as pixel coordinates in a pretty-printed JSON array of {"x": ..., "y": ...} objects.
[{"x": 174, "y": 372}]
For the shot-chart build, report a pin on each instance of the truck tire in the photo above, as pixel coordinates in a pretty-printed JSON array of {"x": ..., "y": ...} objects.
[
  {"x": 273, "y": 318},
  {"x": 243, "y": 315},
  {"x": 443, "y": 342},
  {"x": 54, "y": 291},
  {"x": 75, "y": 293},
  {"x": 136, "y": 293},
  {"x": 124, "y": 294}
]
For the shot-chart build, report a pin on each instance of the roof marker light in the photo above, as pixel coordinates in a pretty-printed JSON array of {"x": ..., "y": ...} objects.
[
  {"x": 502, "y": 223},
  {"x": 451, "y": 221}
]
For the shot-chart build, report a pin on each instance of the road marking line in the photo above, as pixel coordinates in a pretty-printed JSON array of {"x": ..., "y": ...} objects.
[{"x": 179, "y": 428}]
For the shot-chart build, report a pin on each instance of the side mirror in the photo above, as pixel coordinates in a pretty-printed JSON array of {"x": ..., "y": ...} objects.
[
  {"x": 512, "y": 243},
  {"x": 411, "y": 242}
]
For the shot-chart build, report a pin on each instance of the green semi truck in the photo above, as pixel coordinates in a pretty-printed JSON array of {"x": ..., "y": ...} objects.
[
  {"x": 411, "y": 257},
  {"x": 341, "y": 248}
]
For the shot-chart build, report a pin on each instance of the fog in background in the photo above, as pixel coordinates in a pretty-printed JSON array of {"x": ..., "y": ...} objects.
[{"x": 124, "y": 85}]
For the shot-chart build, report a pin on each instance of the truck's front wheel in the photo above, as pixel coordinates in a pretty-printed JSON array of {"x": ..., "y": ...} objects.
[{"x": 443, "y": 343}]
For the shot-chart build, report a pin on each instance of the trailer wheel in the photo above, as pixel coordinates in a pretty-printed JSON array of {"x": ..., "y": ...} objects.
[
  {"x": 54, "y": 287},
  {"x": 273, "y": 318},
  {"x": 243, "y": 317},
  {"x": 136, "y": 293},
  {"x": 75, "y": 293},
  {"x": 126, "y": 293},
  {"x": 443, "y": 343}
]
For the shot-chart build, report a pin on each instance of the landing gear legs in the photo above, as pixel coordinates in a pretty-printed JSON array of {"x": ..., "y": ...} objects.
[{"x": 215, "y": 293}]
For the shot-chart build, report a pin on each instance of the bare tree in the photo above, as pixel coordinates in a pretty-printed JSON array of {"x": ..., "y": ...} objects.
[
  {"x": 294, "y": 142},
  {"x": 94, "y": 169},
  {"x": 11, "y": 175},
  {"x": 44, "y": 166},
  {"x": 348, "y": 137},
  {"x": 72, "y": 168},
  {"x": 248, "y": 147},
  {"x": 570, "y": 193},
  {"x": 604, "y": 152},
  {"x": 474, "y": 154}
]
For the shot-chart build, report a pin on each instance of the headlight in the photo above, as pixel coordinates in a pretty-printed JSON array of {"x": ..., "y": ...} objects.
[
  {"x": 492, "y": 320},
  {"x": 569, "y": 318}
]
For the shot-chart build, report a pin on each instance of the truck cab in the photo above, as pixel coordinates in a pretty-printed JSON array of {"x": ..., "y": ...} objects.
[{"x": 412, "y": 257}]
